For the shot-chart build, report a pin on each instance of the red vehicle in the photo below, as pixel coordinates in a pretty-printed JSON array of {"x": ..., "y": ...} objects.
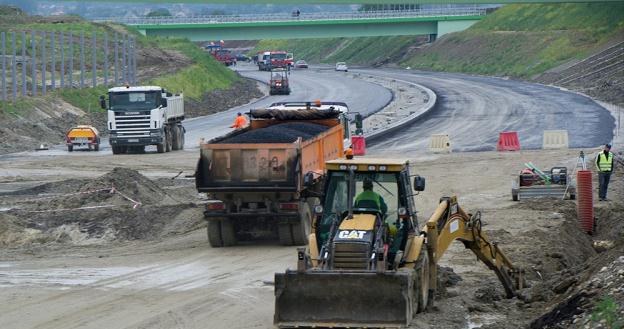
[
  {"x": 222, "y": 55},
  {"x": 279, "y": 59}
]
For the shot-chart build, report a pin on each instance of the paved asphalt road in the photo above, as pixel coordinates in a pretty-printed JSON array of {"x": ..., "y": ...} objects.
[{"x": 474, "y": 109}]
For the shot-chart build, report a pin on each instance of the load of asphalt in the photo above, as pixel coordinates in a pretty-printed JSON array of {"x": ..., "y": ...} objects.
[
  {"x": 118, "y": 206},
  {"x": 279, "y": 133}
]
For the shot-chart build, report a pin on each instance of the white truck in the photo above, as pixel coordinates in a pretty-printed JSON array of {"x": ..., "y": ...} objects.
[{"x": 144, "y": 115}]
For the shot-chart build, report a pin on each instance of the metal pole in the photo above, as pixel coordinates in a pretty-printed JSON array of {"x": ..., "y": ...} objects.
[
  {"x": 94, "y": 64},
  {"x": 43, "y": 63},
  {"x": 70, "y": 68},
  {"x": 14, "y": 68},
  {"x": 62, "y": 42},
  {"x": 24, "y": 85},
  {"x": 133, "y": 61},
  {"x": 105, "y": 59},
  {"x": 33, "y": 63},
  {"x": 3, "y": 44},
  {"x": 124, "y": 68},
  {"x": 82, "y": 59},
  {"x": 53, "y": 62},
  {"x": 116, "y": 41}
]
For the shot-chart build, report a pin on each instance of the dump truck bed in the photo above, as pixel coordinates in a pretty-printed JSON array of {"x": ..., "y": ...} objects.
[{"x": 268, "y": 156}]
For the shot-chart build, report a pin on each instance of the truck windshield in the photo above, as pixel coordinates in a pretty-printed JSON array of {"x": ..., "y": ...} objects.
[
  {"x": 133, "y": 100},
  {"x": 278, "y": 56}
]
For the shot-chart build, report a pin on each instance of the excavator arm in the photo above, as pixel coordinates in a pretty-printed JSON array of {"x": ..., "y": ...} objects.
[{"x": 449, "y": 223}]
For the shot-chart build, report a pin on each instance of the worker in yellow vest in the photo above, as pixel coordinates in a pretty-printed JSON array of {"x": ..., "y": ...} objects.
[{"x": 604, "y": 165}]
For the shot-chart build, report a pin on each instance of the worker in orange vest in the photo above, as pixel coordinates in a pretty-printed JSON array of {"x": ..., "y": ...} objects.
[{"x": 239, "y": 122}]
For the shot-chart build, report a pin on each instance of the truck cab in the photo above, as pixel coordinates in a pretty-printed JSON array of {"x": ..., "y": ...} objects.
[{"x": 144, "y": 115}]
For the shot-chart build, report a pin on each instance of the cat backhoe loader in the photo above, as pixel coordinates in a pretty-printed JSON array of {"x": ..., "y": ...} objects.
[{"x": 367, "y": 267}]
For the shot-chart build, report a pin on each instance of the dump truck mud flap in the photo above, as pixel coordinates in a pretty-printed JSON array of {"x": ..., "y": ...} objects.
[{"x": 344, "y": 299}]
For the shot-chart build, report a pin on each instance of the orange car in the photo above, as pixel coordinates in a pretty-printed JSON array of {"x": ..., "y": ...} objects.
[{"x": 83, "y": 135}]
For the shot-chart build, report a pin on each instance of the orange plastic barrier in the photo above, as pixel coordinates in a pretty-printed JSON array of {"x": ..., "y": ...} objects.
[
  {"x": 358, "y": 144},
  {"x": 508, "y": 141}
]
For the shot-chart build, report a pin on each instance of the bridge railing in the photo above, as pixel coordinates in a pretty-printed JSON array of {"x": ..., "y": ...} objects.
[{"x": 284, "y": 17}]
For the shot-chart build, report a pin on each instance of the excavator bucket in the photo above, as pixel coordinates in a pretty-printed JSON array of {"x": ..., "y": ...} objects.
[{"x": 339, "y": 299}]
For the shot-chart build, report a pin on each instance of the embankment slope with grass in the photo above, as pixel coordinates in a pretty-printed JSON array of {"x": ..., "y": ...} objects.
[{"x": 175, "y": 64}]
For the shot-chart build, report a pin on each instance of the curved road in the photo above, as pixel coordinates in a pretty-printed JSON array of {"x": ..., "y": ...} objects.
[{"x": 474, "y": 109}]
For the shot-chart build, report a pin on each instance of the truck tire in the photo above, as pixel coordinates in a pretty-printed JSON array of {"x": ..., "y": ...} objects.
[
  {"x": 168, "y": 140},
  {"x": 70, "y": 148},
  {"x": 284, "y": 234},
  {"x": 96, "y": 147},
  {"x": 175, "y": 137},
  {"x": 301, "y": 230},
  {"x": 214, "y": 233},
  {"x": 160, "y": 148},
  {"x": 422, "y": 284},
  {"x": 116, "y": 149},
  {"x": 228, "y": 234},
  {"x": 182, "y": 131}
]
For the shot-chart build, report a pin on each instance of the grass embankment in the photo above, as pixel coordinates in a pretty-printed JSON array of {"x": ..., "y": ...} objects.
[
  {"x": 364, "y": 50},
  {"x": 203, "y": 75},
  {"x": 524, "y": 40}
]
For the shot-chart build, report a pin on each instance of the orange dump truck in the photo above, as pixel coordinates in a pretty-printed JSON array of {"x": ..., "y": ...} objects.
[
  {"x": 83, "y": 135},
  {"x": 261, "y": 179}
]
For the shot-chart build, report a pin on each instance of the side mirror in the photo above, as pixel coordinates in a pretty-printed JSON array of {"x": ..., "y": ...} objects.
[
  {"x": 308, "y": 179},
  {"x": 163, "y": 102},
  {"x": 419, "y": 183},
  {"x": 103, "y": 102}
]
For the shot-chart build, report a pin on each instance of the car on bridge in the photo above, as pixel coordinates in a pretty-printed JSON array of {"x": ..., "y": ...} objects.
[{"x": 342, "y": 66}]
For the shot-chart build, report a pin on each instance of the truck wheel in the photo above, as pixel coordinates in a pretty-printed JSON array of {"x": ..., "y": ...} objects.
[
  {"x": 284, "y": 234},
  {"x": 515, "y": 196},
  {"x": 181, "y": 137},
  {"x": 422, "y": 284},
  {"x": 115, "y": 149},
  {"x": 168, "y": 140},
  {"x": 96, "y": 147},
  {"x": 175, "y": 138},
  {"x": 160, "y": 148},
  {"x": 214, "y": 233},
  {"x": 301, "y": 230},
  {"x": 70, "y": 148},
  {"x": 228, "y": 234}
]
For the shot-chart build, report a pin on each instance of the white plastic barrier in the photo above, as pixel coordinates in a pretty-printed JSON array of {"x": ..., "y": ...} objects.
[
  {"x": 440, "y": 143},
  {"x": 555, "y": 139}
]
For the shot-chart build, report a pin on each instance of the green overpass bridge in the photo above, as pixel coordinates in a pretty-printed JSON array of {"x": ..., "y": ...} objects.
[{"x": 313, "y": 25}]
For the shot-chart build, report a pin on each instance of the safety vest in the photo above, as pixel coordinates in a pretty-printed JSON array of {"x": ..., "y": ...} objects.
[
  {"x": 604, "y": 162},
  {"x": 369, "y": 196}
]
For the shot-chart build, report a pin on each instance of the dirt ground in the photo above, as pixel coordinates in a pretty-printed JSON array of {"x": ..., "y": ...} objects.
[{"x": 142, "y": 249}]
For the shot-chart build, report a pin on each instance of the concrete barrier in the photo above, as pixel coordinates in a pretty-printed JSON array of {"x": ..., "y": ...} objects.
[
  {"x": 440, "y": 143},
  {"x": 555, "y": 139}
]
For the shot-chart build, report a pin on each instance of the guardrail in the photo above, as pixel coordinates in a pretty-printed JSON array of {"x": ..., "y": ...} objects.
[{"x": 281, "y": 17}]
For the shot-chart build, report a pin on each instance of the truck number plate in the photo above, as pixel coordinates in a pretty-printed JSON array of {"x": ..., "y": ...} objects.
[
  {"x": 134, "y": 140},
  {"x": 81, "y": 140}
]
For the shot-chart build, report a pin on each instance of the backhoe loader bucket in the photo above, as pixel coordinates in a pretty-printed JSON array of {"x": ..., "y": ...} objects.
[{"x": 338, "y": 299}]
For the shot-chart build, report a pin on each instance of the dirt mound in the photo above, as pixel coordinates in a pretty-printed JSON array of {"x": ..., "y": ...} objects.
[
  {"x": 281, "y": 133},
  {"x": 117, "y": 206}
]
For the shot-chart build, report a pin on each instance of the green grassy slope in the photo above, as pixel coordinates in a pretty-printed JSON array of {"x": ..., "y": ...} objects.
[
  {"x": 524, "y": 40},
  {"x": 203, "y": 75}
]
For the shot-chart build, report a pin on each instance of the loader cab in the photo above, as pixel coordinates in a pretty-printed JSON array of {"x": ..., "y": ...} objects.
[{"x": 345, "y": 181}]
